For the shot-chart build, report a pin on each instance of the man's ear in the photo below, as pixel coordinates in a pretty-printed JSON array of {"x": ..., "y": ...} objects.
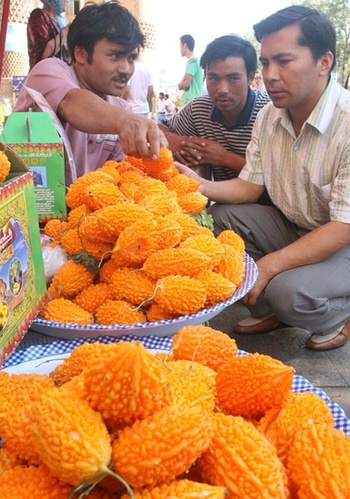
[
  {"x": 80, "y": 54},
  {"x": 326, "y": 61},
  {"x": 251, "y": 77}
]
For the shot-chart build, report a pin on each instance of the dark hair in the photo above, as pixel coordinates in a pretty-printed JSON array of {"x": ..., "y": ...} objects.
[
  {"x": 230, "y": 45},
  {"x": 110, "y": 21},
  {"x": 189, "y": 40},
  {"x": 166, "y": 95},
  {"x": 317, "y": 31}
]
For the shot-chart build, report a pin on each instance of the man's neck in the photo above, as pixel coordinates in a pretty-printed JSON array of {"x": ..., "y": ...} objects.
[
  {"x": 230, "y": 119},
  {"x": 299, "y": 115}
]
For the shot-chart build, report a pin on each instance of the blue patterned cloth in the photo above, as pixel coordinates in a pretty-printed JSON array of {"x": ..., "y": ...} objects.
[{"x": 57, "y": 348}]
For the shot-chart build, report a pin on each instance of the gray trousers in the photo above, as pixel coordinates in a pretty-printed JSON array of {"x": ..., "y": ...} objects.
[{"x": 315, "y": 297}]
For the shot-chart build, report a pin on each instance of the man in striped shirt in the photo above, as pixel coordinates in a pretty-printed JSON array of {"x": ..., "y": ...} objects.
[
  {"x": 300, "y": 151},
  {"x": 214, "y": 130}
]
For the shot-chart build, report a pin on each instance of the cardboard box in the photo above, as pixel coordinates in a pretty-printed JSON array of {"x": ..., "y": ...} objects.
[
  {"x": 22, "y": 275},
  {"x": 33, "y": 136}
]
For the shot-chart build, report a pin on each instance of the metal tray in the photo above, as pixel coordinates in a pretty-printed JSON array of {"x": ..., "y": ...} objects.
[{"x": 159, "y": 328}]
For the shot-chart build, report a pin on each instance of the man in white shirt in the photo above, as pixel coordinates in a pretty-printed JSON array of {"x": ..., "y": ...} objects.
[
  {"x": 169, "y": 107},
  {"x": 300, "y": 152},
  {"x": 138, "y": 92},
  {"x": 161, "y": 107}
]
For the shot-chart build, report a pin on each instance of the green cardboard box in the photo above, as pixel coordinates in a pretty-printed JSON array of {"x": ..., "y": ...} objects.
[
  {"x": 33, "y": 136},
  {"x": 22, "y": 275}
]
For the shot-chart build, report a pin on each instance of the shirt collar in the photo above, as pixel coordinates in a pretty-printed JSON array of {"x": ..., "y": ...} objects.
[
  {"x": 245, "y": 115},
  {"x": 322, "y": 112}
]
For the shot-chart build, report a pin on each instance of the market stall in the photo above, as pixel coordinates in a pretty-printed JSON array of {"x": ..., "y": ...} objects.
[{"x": 166, "y": 301}]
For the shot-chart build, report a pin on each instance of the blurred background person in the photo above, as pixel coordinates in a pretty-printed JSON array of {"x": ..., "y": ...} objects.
[
  {"x": 47, "y": 31},
  {"x": 139, "y": 90},
  {"x": 192, "y": 81},
  {"x": 258, "y": 83},
  {"x": 160, "y": 107},
  {"x": 169, "y": 107}
]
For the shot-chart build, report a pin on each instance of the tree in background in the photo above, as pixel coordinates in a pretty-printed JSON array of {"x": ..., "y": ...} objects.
[{"x": 338, "y": 11}]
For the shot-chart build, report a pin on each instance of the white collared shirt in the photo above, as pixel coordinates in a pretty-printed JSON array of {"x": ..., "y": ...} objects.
[{"x": 307, "y": 177}]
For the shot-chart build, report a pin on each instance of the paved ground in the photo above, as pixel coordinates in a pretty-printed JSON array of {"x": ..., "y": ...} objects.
[{"x": 329, "y": 370}]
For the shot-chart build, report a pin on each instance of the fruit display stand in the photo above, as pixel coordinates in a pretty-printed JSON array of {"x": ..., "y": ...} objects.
[
  {"x": 189, "y": 400},
  {"x": 161, "y": 328},
  {"x": 192, "y": 397},
  {"x": 42, "y": 359}
]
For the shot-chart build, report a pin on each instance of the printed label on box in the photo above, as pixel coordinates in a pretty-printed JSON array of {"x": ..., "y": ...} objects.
[
  {"x": 22, "y": 275},
  {"x": 33, "y": 137},
  {"x": 48, "y": 180},
  {"x": 16, "y": 288}
]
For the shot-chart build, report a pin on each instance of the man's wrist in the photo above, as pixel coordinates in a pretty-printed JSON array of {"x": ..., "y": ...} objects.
[{"x": 233, "y": 161}]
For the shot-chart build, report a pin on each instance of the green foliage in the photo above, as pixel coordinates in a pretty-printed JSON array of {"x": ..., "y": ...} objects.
[
  {"x": 204, "y": 219},
  {"x": 338, "y": 11},
  {"x": 90, "y": 261}
]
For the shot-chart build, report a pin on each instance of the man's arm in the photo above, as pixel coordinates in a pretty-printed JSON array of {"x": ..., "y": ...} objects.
[
  {"x": 150, "y": 92},
  {"x": 185, "y": 83},
  {"x": 138, "y": 136},
  {"x": 233, "y": 191},
  {"x": 199, "y": 151},
  {"x": 194, "y": 151},
  {"x": 313, "y": 247},
  {"x": 174, "y": 140}
]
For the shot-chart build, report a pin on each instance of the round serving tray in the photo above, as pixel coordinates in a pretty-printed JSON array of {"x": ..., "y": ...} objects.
[{"x": 159, "y": 328}]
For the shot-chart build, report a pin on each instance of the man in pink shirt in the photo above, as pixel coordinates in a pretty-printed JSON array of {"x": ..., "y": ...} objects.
[{"x": 104, "y": 42}]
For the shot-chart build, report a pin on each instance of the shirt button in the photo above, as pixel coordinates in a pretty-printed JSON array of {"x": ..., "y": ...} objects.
[{"x": 90, "y": 141}]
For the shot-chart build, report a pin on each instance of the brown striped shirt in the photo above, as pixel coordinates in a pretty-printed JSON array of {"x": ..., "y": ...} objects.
[{"x": 202, "y": 119}]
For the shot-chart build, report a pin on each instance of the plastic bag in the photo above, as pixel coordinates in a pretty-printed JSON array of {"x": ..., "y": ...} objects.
[{"x": 53, "y": 258}]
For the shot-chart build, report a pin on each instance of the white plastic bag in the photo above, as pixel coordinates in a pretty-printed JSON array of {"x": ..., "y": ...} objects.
[{"x": 53, "y": 258}]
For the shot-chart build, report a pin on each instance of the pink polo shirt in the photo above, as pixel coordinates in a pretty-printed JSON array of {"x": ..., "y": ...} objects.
[{"x": 53, "y": 78}]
